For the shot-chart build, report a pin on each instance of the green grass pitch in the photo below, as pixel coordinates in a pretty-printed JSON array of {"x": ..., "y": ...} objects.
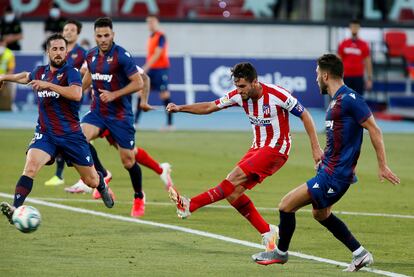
[{"x": 73, "y": 244}]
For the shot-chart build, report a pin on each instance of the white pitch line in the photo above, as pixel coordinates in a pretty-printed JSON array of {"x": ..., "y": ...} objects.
[
  {"x": 230, "y": 207},
  {"x": 196, "y": 232}
]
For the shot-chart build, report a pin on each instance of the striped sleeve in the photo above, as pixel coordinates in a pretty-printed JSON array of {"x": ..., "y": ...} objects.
[{"x": 228, "y": 100}]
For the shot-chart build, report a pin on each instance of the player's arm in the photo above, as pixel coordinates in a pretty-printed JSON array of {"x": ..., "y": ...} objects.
[
  {"x": 299, "y": 111},
  {"x": 86, "y": 81},
  {"x": 21, "y": 78},
  {"x": 144, "y": 93},
  {"x": 133, "y": 86},
  {"x": 368, "y": 67},
  {"x": 377, "y": 141},
  {"x": 153, "y": 59},
  {"x": 197, "y": 108}
]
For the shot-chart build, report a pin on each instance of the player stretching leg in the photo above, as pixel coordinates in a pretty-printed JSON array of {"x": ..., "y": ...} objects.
[
  {"x": 346, "y": 118},
  {"x": 267, "y": 107}
]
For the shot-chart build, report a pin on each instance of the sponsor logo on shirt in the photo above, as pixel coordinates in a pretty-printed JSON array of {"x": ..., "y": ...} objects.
[
  {"x": 258, "y": 121},
  {"x": 329, "y": 124},
  {"x": 47, "y": 93},
  {"x": 352, "y": 50},
  {"x": 102, "y": 77}
]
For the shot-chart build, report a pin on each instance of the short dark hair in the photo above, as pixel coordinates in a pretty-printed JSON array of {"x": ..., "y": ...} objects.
[
  {"x": 153, "y": 15},
  {"x": 103, "y": 22},
  {"x": 55, "y": 37},
  {"x": 332, "y": 64},
  {"x": 75, "y": 22},
  {"x": 355, "y": 21},
  {"x": 244, "y": 70}
]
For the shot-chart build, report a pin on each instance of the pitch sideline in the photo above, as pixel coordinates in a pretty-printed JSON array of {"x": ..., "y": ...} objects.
[{"x": 195, "y": 232}]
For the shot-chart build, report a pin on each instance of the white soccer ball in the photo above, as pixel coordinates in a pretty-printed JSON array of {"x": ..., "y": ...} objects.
[{"x": 26, "y": 219}]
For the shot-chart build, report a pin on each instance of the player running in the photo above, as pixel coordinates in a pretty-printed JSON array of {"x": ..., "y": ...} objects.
[
  {"x": 267, "y": 107},
  {"x": 347, "y": 116},
  {"x": 58, "y": 89}
]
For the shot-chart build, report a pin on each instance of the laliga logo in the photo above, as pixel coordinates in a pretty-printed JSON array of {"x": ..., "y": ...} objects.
[{"x": 221, "y": 82}]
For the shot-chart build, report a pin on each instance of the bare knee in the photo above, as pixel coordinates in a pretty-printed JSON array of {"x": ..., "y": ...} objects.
[
  {"x": 128, "y": 162},
  {"x": 238, "y": 191},
  {"x": 31, "y": 169},
  {"x": 321, "y": 215},
  {"x": 91, "y": 180}
]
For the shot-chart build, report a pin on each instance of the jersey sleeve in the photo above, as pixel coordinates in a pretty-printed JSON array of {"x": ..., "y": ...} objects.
[
  {"x": 74, "y": 77},
  {"x": 228, "y": 100},
  {"x": 357, "y": 107},
  {"x": 161, "y": 41},
  {"x": 285, "y": 99},
  {"x": 127, "y": 62},
  {"x": 32, "y": 75}
]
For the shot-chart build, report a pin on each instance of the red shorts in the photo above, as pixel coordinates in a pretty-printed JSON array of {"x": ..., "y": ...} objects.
[{"x": 260, "y": 163}]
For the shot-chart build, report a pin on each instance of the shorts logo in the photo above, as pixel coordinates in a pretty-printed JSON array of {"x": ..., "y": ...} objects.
[
  {"x": 88, "y": 158},
  {"x": 315, "y": 186},
  {"x": 266, "y": 109},
  {"x": 330, "y": 191}
]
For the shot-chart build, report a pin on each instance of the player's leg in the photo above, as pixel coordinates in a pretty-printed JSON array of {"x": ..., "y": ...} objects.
[
  {"x": 35, "y": 160},
  {"x": 164, "y": 169},
  {"x": 134, "y": 170},
  {"x": 57, "y": 179},
  {"x": 289, "y": 204},
  {"x": 94, "y": 179},
  {"x": 162, "y": 87},
  {"x": 166, "y": 99},
  {"x": 361, "y": 257}
]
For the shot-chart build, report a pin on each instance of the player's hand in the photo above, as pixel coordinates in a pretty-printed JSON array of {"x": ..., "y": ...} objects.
[
  {"x": 386, "y": 173},
  {"x": 172, "y": 108},
  {"x": 145, "y": 107},
  {"x": 39, "y": 84},
  {"x": 106, "y": 96},
  {"x": 317, "y": 155}
]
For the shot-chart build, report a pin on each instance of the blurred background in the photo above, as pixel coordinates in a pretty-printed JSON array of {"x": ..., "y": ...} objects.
[{"x": 283, "y": 38}]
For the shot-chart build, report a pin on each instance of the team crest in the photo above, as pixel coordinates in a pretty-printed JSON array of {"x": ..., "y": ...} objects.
[
  {"x": 109, "y": 59},
  {"x": 266, "y": 109},
  {"x": 74, "y": 56},
  {"x": 59, "y": 76}
]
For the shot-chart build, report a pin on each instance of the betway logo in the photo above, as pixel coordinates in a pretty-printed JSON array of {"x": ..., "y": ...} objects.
[
  {"x": 47, "y": 93},
  {"x": 259, "y": 121},
  {"x": 102, "y": 77},
  {"x": 329, "y": 124}
]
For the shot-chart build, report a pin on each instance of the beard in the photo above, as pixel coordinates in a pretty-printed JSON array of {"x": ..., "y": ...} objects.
[
  {"x": 57, "y": 64},
  {"x": 323, "y": 88}
]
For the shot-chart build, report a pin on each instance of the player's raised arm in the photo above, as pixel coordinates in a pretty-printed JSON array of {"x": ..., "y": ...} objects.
[
  {"x": 197, "y": 108},
  {"x": 21, "y": 78},
  {"x": 377, "y": 141}
]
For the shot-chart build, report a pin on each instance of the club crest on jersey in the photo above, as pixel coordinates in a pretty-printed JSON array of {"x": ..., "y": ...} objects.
[
  {"x": 74, "y": 56},
  {"x": 109, "y": 59},
  {"x": 266, "y": 109}
]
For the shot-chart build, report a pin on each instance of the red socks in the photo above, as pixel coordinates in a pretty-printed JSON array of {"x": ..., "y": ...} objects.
[
  {"x": 246, "y": 207},
  {"x": 142, "y": 157},
  {"x": 224, "y": 189}
]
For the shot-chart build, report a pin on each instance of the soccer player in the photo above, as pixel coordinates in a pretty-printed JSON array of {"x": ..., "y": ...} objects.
[
  {"x": 346, "y": 118},
  {"x": 75, "y": 57},
  {"x": 58, "y": 90},
  {"x": 157, "y": 64},
  {"x": 267, "y": 107},
  {"x": 114, "y": 76}
]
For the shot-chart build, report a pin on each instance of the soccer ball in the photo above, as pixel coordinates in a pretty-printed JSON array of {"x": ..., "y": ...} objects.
[{"x": 26, "y": 219}]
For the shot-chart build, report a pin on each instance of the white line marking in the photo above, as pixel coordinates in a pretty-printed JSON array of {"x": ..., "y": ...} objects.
[
  {"x": 230, "y": 207},
  {"x": 196, "y": 232}
]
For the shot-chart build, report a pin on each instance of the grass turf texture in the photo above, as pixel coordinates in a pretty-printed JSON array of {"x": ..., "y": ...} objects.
[{"x": 72, "y": 244}]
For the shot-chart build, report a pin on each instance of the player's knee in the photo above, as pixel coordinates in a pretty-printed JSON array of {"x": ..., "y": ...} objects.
[
  {"x": 31, "y": 169},
  {"x": 91, "y": 180},
  {"x": 285, "y": 206},
  {"x": 235, "y": 194},
  {"x": 320, "y": 215},
  {"x": 128, "y": 162}
]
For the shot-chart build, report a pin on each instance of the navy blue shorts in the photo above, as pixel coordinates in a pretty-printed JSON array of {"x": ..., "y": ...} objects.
[
  {"x": 325, "y": 190},
  {"x": 159, "y": 79},
  {"x": 123, "y": 132},
  {"x": 73, "y": 147}
]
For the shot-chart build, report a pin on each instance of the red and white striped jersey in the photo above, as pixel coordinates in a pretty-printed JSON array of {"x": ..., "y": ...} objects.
[{"x": 269, "y": 116}]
